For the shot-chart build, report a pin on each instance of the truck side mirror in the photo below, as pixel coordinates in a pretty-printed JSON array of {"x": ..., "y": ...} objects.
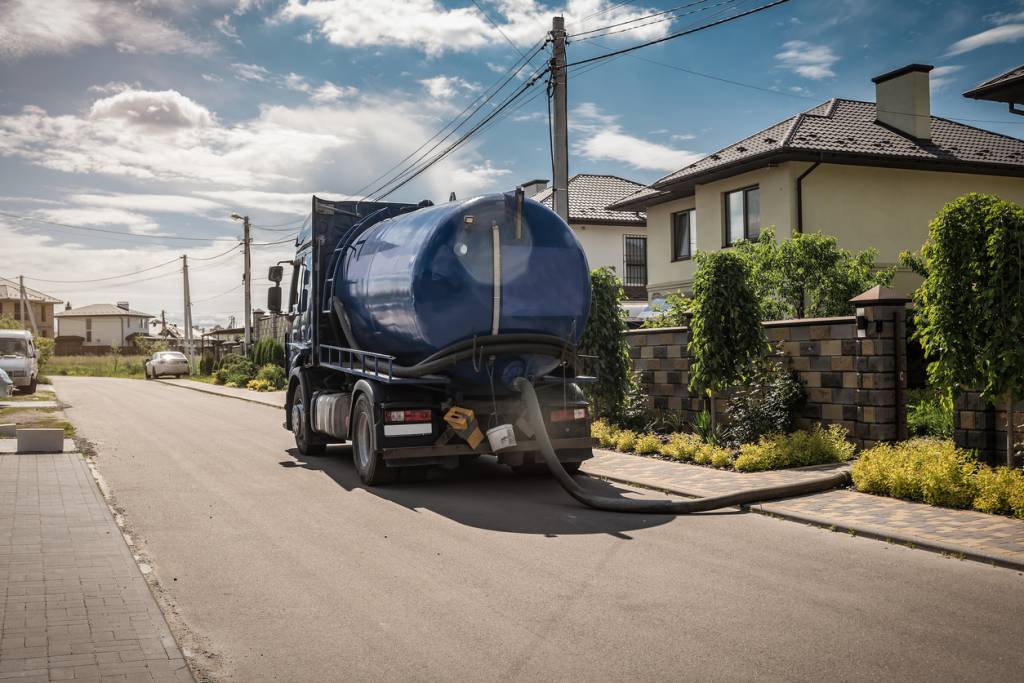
[
  {"x": 274, "y": 299},
  {"x": 275, "y": 275}
]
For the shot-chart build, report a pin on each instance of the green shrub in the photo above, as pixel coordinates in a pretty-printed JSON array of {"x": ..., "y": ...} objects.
[
  {"x": 928, "y": 470},
  {"x": 604, "y": 338},
  {"x": 929, "y": 413},
  {"x": 710, "y": 454},
  {"x": 231, "y": 385},
  {"x": 1000, "y": 491},
  {"x": 625, "y": 440},
  {"x": 648, "y": 443},
  {"x": 259, "y": 385},
  {"x": 234, "y": 370},
  {"x": 675, "y": 312},
  {"x": 273, "y": 375},
  {"x": 765, "y": 404},
  {"x": 705, "y": 428},
  {"x": 268, "y": 351},
  {"x": 681, "y": 446},
  {"x": 721, "y": 458},
  {"x": 604, "y": 432},
  {"x": 206, "y": 364},
  {"x": 799, "y": 449}
]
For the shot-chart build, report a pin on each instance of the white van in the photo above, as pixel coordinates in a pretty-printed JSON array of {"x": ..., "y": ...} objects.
[{"x": 18, "y": 359}]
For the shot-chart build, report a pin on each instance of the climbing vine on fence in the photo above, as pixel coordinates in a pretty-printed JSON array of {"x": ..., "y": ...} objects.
[{"x": 604, "y": 337}]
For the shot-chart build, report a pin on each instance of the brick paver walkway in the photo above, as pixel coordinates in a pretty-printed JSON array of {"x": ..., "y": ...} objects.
[
  {"x": 73, "y": 603},
  {"x": 974, "y": 534}
]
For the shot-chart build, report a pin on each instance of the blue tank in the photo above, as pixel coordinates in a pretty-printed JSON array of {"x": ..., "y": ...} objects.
[{"x": 422, "y": 281}]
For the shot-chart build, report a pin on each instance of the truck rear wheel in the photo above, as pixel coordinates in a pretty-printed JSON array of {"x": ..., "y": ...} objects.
[
  {"x": 368, "y": 461},
  {"x": 302, "y": 431}
]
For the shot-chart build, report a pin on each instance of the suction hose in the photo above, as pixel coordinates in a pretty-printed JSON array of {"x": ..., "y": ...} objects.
[{"x": 668, "y": 507}]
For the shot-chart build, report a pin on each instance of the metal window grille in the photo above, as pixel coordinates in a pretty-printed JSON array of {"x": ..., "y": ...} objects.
[{"x": 634, "y": 261}]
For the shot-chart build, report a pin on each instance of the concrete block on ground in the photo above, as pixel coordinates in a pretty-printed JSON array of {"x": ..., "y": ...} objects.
[
  {"x": 8, "y": 430},
  {"x": 40, "y": 440}
]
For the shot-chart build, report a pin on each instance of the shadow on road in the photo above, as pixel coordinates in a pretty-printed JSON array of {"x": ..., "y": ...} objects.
[{"x": 487, "y": 495}]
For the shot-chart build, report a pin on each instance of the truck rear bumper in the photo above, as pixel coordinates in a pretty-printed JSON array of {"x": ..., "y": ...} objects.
[{"x": 576, "y": 449}]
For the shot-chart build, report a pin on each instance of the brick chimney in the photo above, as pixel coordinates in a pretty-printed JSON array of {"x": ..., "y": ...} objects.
[
  {"x": 904, "y": 100},
  {"x": 123, "y": 305}
]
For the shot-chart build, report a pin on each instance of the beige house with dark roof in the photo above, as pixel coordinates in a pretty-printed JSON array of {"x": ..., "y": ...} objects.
[
  {"x": 616, "y": 239},
  {"x": 39, "y": 305},
  {"x": 873, "y": 174},
  {"x": 103, "y": 324}
]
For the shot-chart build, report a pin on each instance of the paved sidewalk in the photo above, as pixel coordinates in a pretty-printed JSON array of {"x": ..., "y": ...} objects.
[
  {"x": 974, "y": 535},
  {"x": 267, "y": 398},
  {"x": 73, "y": 603}
]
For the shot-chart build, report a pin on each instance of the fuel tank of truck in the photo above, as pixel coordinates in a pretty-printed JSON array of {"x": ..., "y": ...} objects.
[{"x": 416, "y": 283}]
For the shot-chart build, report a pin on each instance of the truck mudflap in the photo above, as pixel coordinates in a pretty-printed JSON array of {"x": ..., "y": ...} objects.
[{"x": 573, "y": 449}]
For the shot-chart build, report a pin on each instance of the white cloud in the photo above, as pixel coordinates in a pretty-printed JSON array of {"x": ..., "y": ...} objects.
[
  {"x": 161, "y": 203},
  {"x": 212, "y": 78},
  {"x": 100, "y": 215},
  {"x": 250, "y": 72},
  {"x": 941, "y": 76},
  {"x": 224, "y": 25},
  {"x": 1005, "y": 17},
  {"x": 112, "y": 87},
  {"x": 433, "y": 28},
  {"x": 331, "y": 92},
  {"x": 807, "y": 60},
  {"x": 65, "y": 26},
  {"x": 297, "y": 203},
  {"x": 1007, "y": 33},
  {"x": 166, "y": 137},
  {"x": 448, "y": 86},
  {"x": 604, "y": 140},
  {"x": 684, "y": 136}
]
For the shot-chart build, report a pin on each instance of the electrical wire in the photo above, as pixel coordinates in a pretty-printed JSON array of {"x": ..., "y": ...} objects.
[
  {"x": 103, "y": 279},
  {"x": 504, "y": 35},
  {"x": 271, "y": 225},
  {"x": 217, "y": 296},
  {"x": 680, "y": 34},
  {"x": 489, "y": 94},
  {"x": 116, "y": 232},
  {"x": 633, "y": 21},
  {"x": 270, "y": 244},
  {"x": 723, "y": 3}
]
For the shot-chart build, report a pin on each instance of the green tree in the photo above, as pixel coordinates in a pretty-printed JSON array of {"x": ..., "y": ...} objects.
[
  {"x": 44, "y": 347},
  {"x": 809, "y": 275},
  {"x": 971, "y": 305},
  {"x": 726, "y": 336},
  {"x": 675, "y": 312},
  {"x": 9, "y": 323},
  {"x": 604, "y": 337}
]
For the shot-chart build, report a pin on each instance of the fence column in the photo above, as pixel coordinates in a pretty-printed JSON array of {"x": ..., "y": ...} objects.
[{"x": 881, "y": 366}]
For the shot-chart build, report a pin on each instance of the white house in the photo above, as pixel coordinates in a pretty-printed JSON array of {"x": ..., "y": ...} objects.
[
  {"x": 616, "y": 239},
  {"x": 102, "y": 324}
]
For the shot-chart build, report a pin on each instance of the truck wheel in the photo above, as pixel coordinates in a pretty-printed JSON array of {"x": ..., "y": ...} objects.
[
  {"x": 31, "y": 388},
  {"x": 369, "y": 463},
  {"x": 303, "y": 433}
]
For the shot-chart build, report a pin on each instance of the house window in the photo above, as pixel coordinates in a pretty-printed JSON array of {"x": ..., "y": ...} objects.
[
  {"x": 742, "y": 215},
  {"x": 634, "y": 261},
  {"x": 684, "y": 235},
  {"x": 88, "y": 329}
]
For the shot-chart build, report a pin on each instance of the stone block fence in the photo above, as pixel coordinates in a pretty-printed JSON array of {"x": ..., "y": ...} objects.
[{"x": 853, "y": 368}]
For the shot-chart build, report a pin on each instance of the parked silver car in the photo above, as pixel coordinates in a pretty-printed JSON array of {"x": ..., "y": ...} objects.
[{"x": 167, "y": 363}]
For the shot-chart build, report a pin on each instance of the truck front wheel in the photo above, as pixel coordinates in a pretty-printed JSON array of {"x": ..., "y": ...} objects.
[
  {"x": 369, "y": 463},
  {"x": 301, "y": 429}
]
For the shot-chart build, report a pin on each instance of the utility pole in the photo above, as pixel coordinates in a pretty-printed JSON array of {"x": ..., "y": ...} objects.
[
  {"x": 560, "y": 135},
  {"x": 188, "y": 313},
  {"x": 25, "y": 303},
  {"x": 247, "y": 281}
]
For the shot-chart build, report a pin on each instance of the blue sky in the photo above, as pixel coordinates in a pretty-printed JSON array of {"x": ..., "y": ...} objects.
[{"x": 162, "y": 117}]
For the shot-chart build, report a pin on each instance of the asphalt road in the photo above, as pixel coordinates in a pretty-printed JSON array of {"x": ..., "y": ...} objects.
[{"x": 285, "y": 569}]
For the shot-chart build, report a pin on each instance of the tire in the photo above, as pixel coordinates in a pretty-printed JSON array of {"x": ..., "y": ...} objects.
[
  {"x": 369, "y": 463},
  {"x": 303, "y": 432},
  {"x": 147, "y": 374},
  {"x": 31, "y": 388}
]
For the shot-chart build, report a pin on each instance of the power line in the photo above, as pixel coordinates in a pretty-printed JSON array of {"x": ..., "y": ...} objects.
[
  {"x": 504, "y": 105},
  {"x": 482, "y": 99},
  {"x": 633, "y": 21},
  {"x": 679, "y": 34},
  {"x": 104, "y": 279},
  {"x": 211, "y": 258},
  {"x": 271, "y": 225},
  {"x": 270, "y": 244},
  {"x": 499, "y": 29},
  {"x": 217, "y": 296},
  {"x": 120, "y": 233}
]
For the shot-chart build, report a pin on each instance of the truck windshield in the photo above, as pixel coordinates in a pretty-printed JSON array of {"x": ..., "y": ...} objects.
[{"x": 16, "y": 348}]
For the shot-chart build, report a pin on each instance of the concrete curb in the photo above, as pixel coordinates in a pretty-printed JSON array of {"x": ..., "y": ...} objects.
[
  {"x": 214, "y": 393},
  {"x": 866, "y": 531}
]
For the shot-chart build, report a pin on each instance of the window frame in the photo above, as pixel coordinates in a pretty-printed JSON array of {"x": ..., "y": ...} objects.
[
  {"x": 727, "y": 215},
  {"x": 626, "y": 264},
  {"x": 691, "y": 245}
]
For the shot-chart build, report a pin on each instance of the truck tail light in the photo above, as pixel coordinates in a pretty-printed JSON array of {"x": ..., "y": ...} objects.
[
  {"x": 568, "y": 414},
  {"x": 414, "y": 416}
]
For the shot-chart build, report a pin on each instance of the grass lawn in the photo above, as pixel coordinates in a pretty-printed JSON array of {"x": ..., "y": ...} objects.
[
  {"x": 48, "y": 418},
  {"x": 96, "y": 366}
]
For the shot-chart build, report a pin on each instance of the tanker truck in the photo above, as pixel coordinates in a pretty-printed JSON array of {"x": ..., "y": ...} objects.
[{"x": 411, "y": 325}]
